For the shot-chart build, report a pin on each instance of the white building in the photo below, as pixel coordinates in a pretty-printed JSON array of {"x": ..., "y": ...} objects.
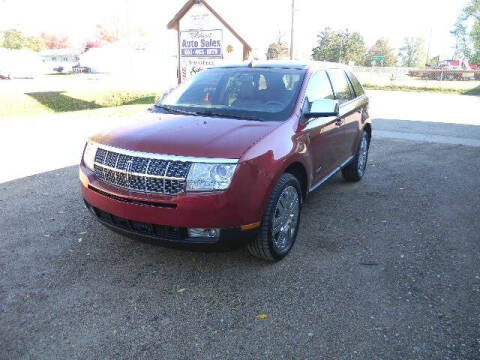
[
  {"x": 149, "y": 64},
  {"x": 60, "y": 60}
]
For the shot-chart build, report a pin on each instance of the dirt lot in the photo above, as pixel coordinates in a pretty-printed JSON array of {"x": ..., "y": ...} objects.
[{"x": 383, "y": 269}]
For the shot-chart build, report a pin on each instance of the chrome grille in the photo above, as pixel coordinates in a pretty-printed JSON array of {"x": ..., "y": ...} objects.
[{"x": 142, "y": 174}]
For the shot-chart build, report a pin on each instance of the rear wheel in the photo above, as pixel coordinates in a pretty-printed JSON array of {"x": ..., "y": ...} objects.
[
  {"x": 280, "y": 222},
  {"x": 355, "y": 170}
]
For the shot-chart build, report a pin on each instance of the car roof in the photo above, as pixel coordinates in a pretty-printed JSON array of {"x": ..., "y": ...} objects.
[{"x": 282, "y": 64}]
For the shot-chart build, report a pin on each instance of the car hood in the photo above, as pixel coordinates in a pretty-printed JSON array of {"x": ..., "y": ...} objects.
[{"x": 186, "y": 135}]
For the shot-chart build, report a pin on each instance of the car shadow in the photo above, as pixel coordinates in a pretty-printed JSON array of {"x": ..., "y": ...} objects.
[
  {"x": 145, "y": 100},
  {"x": 59, "y": 102},
  {"x": 475, "y": 91}
]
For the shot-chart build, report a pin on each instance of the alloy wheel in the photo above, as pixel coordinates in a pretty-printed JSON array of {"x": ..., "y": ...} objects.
[
  {"x": 362, "y": 155},
  {"x": 285, "y": 219}
]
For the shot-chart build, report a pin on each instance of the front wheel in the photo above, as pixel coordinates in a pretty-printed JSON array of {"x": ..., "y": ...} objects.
[
  {"x": 355, "y": 170},
  {"x": 280, "y": 221}
]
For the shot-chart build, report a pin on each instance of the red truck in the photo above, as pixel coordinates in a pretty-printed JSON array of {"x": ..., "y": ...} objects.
[
  {"x": 449, "y": 70},
  {"x": 230, "y": 156}
]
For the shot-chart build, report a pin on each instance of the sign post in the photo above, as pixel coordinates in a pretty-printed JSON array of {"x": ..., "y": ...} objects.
[{"x": 378, "y": 58}]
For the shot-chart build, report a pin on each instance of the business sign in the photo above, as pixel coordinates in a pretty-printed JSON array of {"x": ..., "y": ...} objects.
[
  {"x": 378, "y": 58},
  {"x": 190, "y": 66},
  {"x": 201, "y": 43}
]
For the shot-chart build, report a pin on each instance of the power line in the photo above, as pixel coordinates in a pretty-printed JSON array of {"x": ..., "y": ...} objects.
[{"x": 291, "y": 30}]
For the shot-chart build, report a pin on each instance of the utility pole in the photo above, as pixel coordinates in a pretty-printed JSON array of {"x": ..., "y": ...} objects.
[
  {"x": 291, "y": 31},
  {"x": 129, "y": 36},
  {"x": 428, "y": 48}
]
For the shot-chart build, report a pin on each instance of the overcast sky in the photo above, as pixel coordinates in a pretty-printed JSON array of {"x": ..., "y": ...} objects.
[{"x": 258, "y": 21}]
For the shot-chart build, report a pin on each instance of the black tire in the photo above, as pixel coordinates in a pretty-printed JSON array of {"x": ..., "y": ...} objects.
[
  {"x": 356, "y": 169},
  {"x": 264, "y": 246}
]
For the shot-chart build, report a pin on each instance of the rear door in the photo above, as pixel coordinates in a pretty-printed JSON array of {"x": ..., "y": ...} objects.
[
  {"x": 361, "y": 103},
  {"x": 350, "y": 115}
]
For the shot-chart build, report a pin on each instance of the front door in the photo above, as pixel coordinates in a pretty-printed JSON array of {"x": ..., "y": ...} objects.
[{"x": 321, "y": 132}]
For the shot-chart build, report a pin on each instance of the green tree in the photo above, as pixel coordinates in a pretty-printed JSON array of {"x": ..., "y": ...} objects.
[
  {"x": 34, "y": 43},
  {"x": 462, "y": 44},
  {"x": 339, "y": 46},
  {"x": 468, "y": 36},
  {"x": 435, "y": 61},
  {"x": 381, "y": 48},
  {"x": 475, "y": 35},
  {"x": 413, "y": 52},
  {"x": 14, "y": 39}
]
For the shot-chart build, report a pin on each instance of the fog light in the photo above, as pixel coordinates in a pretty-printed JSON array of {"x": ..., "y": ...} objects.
[{"x": 203, "y": 233}]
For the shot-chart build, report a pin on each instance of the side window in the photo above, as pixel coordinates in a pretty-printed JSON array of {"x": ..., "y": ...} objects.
[
  {"x": 341, "y": 86},
  {"x": 319, "y": 87},
  {"x": 356, "y": 84}
]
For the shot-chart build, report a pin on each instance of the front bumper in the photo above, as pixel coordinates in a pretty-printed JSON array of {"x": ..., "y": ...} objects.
[
  {"x": 162, "y": 217},
  {"x": 167, "y": 234}
]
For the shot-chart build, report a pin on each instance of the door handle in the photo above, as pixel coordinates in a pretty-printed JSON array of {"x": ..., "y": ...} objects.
[{"x": 307, "y": 139}]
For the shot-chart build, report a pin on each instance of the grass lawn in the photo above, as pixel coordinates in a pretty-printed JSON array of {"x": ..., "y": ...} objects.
[
  {"x": 472, "y": 91},
  {"x": 18, "y": 101},
  {"x": 32, "y": 103}
]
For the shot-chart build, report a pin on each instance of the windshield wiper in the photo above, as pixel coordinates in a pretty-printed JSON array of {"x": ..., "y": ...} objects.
[
  {"x": 205, "y": 113},
  {"x": 169, "y": 108},
  {"x": 213, "y": 114}
]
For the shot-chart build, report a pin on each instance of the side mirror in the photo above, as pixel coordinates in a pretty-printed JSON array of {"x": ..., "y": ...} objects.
[
  {"x": 323, "y": 108},
  {"x": 163, "y": 95}
]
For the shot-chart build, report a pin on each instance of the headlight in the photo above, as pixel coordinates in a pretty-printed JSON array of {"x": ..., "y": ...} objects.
[
  {"x": 89, "y": 154},
  {"x": 203, "y": 177}
]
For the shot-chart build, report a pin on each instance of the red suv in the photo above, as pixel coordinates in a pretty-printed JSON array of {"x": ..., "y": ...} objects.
[{"x": 230, "y": 155}]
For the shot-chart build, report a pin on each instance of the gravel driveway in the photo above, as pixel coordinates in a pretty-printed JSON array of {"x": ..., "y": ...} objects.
[{"x": 388, "y": 268}]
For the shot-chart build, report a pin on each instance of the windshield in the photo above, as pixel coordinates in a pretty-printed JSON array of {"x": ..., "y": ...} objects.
[{"x": 241, "y": 92}]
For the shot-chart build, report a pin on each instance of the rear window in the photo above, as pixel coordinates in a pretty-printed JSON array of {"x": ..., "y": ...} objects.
[
  {"x": 356, "y": 84},
  {"x": 340, "y": 84}
]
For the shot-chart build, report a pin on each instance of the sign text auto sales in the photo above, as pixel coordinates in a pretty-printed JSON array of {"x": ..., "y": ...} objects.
[{"x": 201, "y": 43}]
